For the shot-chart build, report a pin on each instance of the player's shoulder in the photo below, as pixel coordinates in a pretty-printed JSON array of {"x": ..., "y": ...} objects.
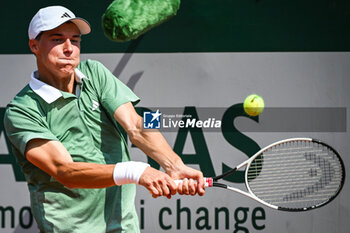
[
  {"x": 25, "y": 97},
  {"x": 24, "y": 102},
  {"x": 90, "y": 66},
  {"x": 96, "y": 72}
]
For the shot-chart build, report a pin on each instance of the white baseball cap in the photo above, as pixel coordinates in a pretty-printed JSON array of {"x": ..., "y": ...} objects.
[{"x": 51, "y": 17}]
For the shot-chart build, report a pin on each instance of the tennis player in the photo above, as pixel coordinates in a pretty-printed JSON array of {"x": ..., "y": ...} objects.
[{"x": 62, "y": 127}]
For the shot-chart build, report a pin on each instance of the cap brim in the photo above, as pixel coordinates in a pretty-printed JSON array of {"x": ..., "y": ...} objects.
[{"x": 82, "y": 24}]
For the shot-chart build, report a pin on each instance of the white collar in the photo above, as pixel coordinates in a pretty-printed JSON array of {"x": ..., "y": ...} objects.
[{"x": 47, "y": 92}]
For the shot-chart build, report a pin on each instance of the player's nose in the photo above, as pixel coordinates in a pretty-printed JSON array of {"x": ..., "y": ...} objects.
[{"x": 67, "y": 46}]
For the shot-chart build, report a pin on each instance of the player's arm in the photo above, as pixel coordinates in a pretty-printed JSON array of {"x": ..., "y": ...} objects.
[
  {"x": 154, "y": 145},
  {"x": 54, "y": 159}
]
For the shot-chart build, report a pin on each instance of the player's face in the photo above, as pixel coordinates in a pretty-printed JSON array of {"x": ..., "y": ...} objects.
[{"x": 58, "y": 50}]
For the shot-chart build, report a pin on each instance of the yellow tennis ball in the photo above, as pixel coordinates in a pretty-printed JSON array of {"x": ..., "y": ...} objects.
[{"x": 253, "y": 105}]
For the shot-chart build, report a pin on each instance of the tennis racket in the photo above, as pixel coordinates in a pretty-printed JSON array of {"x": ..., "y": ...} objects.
[{"x": 296, "y": 174}]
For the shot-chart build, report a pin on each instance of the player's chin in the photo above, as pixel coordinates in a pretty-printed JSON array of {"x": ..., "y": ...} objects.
[{"x": 67, "y": 69}]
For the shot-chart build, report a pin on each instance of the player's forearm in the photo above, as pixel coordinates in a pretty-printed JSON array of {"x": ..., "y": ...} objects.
[
  {"x": 85, "y": 175},
  {"x": 151, "y": 143},
  {"x": 155, "y": 146}
]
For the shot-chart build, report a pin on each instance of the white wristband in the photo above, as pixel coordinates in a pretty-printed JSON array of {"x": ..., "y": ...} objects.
[{"x": 128, "y": 172}]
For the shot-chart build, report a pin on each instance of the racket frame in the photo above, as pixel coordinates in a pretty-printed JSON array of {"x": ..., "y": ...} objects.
[{"x": 249, "y": 161}]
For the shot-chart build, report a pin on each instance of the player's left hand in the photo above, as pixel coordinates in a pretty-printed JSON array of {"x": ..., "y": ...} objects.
[{"x": 189, "y": 176}]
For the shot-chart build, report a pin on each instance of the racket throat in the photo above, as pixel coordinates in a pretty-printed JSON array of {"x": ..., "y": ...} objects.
[{"x": 216, "y": 178}]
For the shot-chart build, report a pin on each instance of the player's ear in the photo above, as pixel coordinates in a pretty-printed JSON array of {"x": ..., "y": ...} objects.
[{"x": 34, "y": 46}]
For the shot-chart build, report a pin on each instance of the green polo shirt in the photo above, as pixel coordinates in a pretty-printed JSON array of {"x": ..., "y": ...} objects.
[{"x": 83, "y": 124}]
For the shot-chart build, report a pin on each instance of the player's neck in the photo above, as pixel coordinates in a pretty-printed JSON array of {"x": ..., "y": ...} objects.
[{"x": 63, "y": 83}]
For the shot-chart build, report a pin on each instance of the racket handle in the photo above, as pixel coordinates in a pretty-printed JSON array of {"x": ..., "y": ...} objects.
[{"x": 208, "y": 182}]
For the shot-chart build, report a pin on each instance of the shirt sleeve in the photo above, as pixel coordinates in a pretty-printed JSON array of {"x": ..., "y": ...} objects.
[
  {"x": 23, "y": 125},
  {"x": 112, "y": 92}
]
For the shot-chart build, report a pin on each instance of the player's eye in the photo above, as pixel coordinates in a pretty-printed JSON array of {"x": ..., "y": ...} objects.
[
  {"x": 75, "y": 40},
  {"x": 57, "y": 39}
]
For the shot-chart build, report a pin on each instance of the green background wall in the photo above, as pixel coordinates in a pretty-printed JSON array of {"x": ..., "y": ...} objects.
[{"x": 204, "y": 26}]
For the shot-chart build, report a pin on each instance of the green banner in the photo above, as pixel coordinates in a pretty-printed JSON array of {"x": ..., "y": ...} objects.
[{"x": 203, "y": 26}]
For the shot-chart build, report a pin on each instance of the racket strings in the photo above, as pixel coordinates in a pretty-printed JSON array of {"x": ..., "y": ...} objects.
[{"x": 295, "y": 174}]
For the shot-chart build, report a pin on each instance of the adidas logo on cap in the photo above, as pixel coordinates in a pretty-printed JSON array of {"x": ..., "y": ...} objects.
[{"x": 66, "y": 15}]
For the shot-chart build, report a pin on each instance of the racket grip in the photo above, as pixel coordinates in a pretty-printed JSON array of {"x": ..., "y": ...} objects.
[{"x": 208, "y": 182}]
